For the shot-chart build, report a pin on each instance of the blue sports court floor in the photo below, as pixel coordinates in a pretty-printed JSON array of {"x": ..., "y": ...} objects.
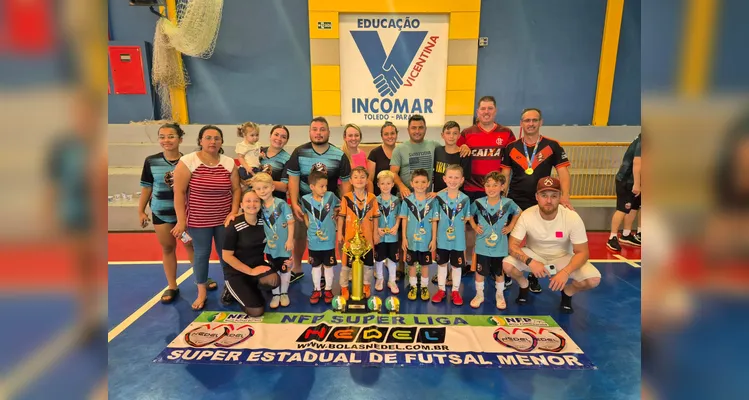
[{"x": 606, "y": 325}]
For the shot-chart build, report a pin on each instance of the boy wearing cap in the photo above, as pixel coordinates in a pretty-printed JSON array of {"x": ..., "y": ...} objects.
[{"x": 555, "y": 237}]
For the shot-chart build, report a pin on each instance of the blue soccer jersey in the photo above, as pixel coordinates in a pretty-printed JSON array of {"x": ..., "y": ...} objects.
[
  {"x": 389, "y": 210},
  {"x": 492, "y": 218},
  {"x": 452, "y": 214},
  {"x": 418, "y": 219},
  {"x": 321, "y": 232},
  {"x": 157, "y": 174},
  {"x": 277, "y": 220}
]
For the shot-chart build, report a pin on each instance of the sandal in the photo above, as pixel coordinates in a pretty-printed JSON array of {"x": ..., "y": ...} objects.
[
  {"x": 200, "y": 308},
  {"x": 211, "y": 285},
  {"x": 171, "y": 294}
]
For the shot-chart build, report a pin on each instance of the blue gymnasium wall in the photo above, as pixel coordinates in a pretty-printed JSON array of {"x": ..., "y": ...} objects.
[{"x": 541, "y": 54}]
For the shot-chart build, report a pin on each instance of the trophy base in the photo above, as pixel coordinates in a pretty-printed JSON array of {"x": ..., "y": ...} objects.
[{"x": 356, "y": 306}]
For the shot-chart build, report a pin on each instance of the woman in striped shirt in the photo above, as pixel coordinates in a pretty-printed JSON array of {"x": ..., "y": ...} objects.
[{"x": 206, "y": 199}]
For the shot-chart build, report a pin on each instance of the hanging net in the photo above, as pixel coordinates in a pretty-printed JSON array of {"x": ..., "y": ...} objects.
[{"x": 194, "y": 35}]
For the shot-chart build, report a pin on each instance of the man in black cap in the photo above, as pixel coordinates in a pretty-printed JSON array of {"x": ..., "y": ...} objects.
[{"x": 557, "y": 247}]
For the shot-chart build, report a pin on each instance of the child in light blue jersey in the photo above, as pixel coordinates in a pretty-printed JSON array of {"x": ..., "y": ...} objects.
[
  {"x": 491, "y": 214},
  {"x": 387, "y": 250},
  {"x": 419, "y": 240},
  {"x": 279, "y": 231},
  {"x": 320, "y": 209},
  {"x": 450, "y": 215}
]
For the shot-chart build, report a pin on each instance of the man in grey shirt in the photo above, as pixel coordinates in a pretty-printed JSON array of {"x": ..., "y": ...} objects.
[{"x": 414, "y": 154}]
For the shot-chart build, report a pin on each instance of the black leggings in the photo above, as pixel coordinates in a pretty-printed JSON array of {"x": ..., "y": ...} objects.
[{"x": 247, "y": 290}]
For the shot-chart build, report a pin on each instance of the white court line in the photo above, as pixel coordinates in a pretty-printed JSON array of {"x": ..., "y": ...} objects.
[
  {"x": 630, "y": 262},
  {"x": 144, "y": 308},
  {"x": 35, "y": 365},
  {"x": 159, "y": 262}
]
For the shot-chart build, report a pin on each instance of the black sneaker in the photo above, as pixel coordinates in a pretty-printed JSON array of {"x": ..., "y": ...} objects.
[
  {"x": 533, "y": 284},
  {"x": 508, "y": 281},
  {"x": 522, "y": 296},
  {"x": 296, "y": 276},
  {"x": 613, "y": 244},
  {"x": 566, "y": 304},
  {"x": 448, "y": 280},
  {"x": 398, "y": 275},
  {"x": 226, "y": 298},
  {"x": 631, "y": 240},
  {"x": 638, "y": 236}
]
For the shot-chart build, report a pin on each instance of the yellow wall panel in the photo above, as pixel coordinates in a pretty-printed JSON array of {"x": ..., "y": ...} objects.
[
  {"x": 326, "y": 77},
  {"x": 395, "y": 6},
  {"x": 459, "y": 102},
  {"x": 461, "y": 77},
  {"x": 326, "y": 102},
  {"x": 465, "y": 25},
  {"x": 316, "y": 17},
  {"x": 607, "y": 64}
]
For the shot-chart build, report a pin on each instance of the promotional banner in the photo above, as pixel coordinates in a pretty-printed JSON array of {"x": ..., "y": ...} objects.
[
  {"x": 393, "y": 66},
  {"x": 337, "y": 339}
]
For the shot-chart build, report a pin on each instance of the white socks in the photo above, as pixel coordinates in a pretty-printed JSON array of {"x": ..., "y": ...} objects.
[
  {"x": 345, "y": 272},
  {"x": 500, "y": 286},
  {"x": 368, "y": 273},
  {"x": 613, "y": 235},
  {"x": 480, "y": 289},
  {"x": 626, "y": 232},
  {"x": 457, "y": 273},
  {"x": 412, "y": 281},
  {"x": 329, "y": 276},
  {"x": 424, "y": 281},
  {"x": 285, "y": 279},
  {"x": 392, "y": 268},
  {"x": 316, "y": 275},
  {"x": 378, "y": 270},
  {"x": 441, "y": 276}
]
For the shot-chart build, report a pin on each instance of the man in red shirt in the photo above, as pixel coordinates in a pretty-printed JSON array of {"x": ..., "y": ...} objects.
[{"x": 487, "y": 140}]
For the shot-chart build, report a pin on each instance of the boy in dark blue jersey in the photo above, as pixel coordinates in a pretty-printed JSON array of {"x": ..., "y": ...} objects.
[
  {"x": 419, "y": 241},
  {"x": 490, "y": 217},
  {"x": 320, "y": 210}
]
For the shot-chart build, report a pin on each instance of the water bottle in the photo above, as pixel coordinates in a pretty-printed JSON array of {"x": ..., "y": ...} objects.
[{"x": 185, "y": 237}]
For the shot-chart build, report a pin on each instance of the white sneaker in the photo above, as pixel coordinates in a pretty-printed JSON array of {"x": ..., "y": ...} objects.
[
  {"x": 500, "y": 299},
  {"x": 393, "y": 287},
  {"x": 275, "y": 301},
  {"x": 476, "y": 302},
  {"x": 379, "y": 284},
  {"x": 285, "y": 300}
]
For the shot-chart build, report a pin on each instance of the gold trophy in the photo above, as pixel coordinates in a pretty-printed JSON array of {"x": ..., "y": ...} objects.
[{"x": 357, "y": 248}]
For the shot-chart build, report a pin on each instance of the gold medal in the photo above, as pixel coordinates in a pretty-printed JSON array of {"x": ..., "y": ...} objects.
[
  {"x": 271, "y": 244},
  {"x": 450, "y": 230},
  {"x": 529, "y": 171},
  {"x": 493, "y": 236},
  {"x": 490, "y": 243},
  {"x": 422, "y": 231},
  {"x": 417, "y": 237},
  {"x": 275, "y": 237},
  {"x": 386, "y": 230},
  {"x": 319, "y": 233}
]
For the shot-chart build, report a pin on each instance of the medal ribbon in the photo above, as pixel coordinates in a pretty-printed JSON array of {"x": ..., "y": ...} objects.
[{"x": 535, "y": 149}]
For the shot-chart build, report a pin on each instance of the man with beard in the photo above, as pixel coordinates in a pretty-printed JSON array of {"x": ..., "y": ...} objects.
[
  {"x": 487, "y": 140},
  {"x": 556, "y": 237},
  {"x": 324, "y": 157},
  {"x": 530, "y": 159}
]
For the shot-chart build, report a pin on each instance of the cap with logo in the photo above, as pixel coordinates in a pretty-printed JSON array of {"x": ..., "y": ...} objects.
[{"x": 548, "y": 183}]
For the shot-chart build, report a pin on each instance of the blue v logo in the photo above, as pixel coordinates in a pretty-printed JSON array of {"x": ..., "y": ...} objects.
[{"x": 388, "y": 70}]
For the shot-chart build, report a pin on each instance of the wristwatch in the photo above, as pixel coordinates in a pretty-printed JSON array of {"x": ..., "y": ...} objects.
[{"x": 528, "y": 261}]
